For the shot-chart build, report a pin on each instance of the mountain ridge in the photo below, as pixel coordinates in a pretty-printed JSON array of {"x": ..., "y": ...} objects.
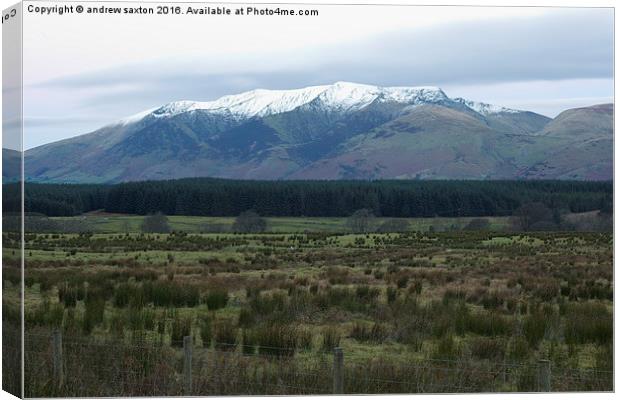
[{"x": 347, "y": 130}]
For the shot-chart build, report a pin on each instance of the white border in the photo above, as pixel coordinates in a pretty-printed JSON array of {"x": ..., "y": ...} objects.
[{"x": 521, "y": 3}]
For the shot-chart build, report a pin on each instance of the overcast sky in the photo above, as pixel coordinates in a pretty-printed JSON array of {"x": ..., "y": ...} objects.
[{"x": 82, "y": 72}]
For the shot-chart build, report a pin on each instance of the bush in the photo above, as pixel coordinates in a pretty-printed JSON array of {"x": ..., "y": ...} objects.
[
  {"x": 488, "y": 324},
  {"x": 488, "y": 348},
  {"x": 206, "y": 331},
  {"x": 249, "y": 342},
  {"x": 93, "y": 312},
  {"x": 304, "y": 339},
  {"x": 391, "y": 294},
  {"x": 401, "y": 283},
  {"x": 331, "y": 338},
  {"x": 363, "y": 332},
  {"x": 225, "y": 336},
  {"x": 518, "y": 348},
  {"x": 171, "y": 294},
  {"x": 276, "y": 340},
  {"x": 366, "y": 293},
  {"x": 446, "y": 348},
  {"x": 534, "y": 328},
  {"x": 124, "y": 293},
  {"x": 588, "y": 323},
  {"x": 216, "y": 299},
  {"x": 180, "y": 329},
  {"x": 70, "y": 293},
  {"x": 246, "y": 318}
]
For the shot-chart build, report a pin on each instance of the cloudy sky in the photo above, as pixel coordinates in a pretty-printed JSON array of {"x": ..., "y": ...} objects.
[{"x": 82, "y": 72}]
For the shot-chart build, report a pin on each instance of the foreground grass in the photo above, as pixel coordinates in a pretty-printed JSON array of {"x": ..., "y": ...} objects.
[{"x": 471, "y": 298}]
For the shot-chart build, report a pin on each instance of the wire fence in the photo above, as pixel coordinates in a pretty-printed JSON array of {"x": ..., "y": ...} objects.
[{"x": 64, "y": 366}]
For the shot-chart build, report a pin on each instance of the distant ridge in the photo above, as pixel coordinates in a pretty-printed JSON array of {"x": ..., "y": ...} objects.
[{"x": 340, "y": 131}]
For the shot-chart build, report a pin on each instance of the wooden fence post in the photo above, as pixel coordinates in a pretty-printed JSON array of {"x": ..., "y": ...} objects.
[
  {"x": 187, "y": 365},
  {"x": 57, "y": 358},
  {"x": 544, "y": 376},
  {"x": 338, "y": 371}
]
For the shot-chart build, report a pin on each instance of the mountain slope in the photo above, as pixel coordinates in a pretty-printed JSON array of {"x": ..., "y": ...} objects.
[
  {"x": 582, "y": 146},
  {"x": 344, "y": 130},
  {"x": 429, "y": 142}
]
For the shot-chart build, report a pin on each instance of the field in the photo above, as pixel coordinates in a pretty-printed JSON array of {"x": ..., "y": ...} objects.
[
  {"x": 114, "y": 223},
  {"x": 412, "y": 312}
]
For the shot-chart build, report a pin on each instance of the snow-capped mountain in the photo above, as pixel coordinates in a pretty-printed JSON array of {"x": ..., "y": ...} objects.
[
  {"x": 341, "y": 96},
  {"x": 485, "y": 108},
  {"x": 343, "y": 130}
]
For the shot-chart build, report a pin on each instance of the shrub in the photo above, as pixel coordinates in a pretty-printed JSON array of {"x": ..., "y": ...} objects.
[
  {"x": 246, "y": 318},
  {"x": 391, "y": 294},
  {"x": 416, "y": 287},
  {"x": 518, "y": 348},
  {"x": 69, "y": 294},
  {"x": 446, "y": 348},
  {"x": 249, "y": 342},
  {"x": 488, "y": 348},
  {"x": 180, "y": 329},
  {"x": 171, "y": 294},
  {"x": 276, "y": 340},
  {"x": 206, "y": 331},
  {"x": 366, "y": 293},
  {"x": 363, "y": 332},
  {"x": 93, "y": 312},
  {"x": 304, "y": 339},
  {"x": 331, "y": 338},
  {"x": 492, "y": 301},
  {"x": 216, "y": 299},
  {"x": 588, "y": 323},
  {"x": 402, "y": 282},
  {"x": 123, "y": 294},
  {"x": 488, "y": 324},
  {"x": 534, "y": 328},
  {"x": 225, "y": 335}
]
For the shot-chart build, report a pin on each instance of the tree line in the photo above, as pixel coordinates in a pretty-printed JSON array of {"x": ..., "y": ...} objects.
[{"x": 387, "y": 198}]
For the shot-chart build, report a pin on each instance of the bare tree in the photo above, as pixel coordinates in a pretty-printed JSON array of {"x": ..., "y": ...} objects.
[
  {"x": 249, "y": 222},
  {"x": 155, "y": 223},
  {"x": 361, "y": 221},
  {"x": 394, "y": 225},
  {"x": 530, "y": 215},
  {"x": 478, "y": 224}
]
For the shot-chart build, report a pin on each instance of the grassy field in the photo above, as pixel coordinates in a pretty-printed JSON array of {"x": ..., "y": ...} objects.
[
  {"x": 473, "y": 299},
  {"x": 131, "y": 223}
]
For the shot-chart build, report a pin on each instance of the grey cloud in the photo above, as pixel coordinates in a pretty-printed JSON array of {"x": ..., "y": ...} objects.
[{"x": 562, "y": 44}]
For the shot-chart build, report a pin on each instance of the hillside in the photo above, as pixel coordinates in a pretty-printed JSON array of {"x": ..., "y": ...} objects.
[{"x": 339, "y": 131}]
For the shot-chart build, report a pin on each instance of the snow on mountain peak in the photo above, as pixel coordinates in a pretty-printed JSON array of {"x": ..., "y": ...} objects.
[
  {"x": 340, "y": 96},
  {"x": 484, "y": 108}
]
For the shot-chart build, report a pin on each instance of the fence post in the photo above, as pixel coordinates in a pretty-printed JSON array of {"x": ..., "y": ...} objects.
[
  {"x": 338, "y": 371},
  {"x": 544, "y": 376},
  {"x": 57, "y": 358},
  {"x": 187, "y": 365}
]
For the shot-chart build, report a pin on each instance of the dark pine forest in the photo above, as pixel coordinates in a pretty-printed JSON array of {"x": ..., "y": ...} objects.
[{"x": 388, "y": 198}]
